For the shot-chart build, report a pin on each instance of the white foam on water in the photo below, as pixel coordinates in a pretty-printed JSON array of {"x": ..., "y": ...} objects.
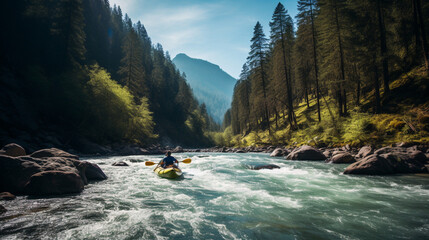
[{"x": 219, "y": 198}]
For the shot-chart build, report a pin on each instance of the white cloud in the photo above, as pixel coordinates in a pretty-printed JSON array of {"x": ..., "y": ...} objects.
[{"x": 176, "y": 27}]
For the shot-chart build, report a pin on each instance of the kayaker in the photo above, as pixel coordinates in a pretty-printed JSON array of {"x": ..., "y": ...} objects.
[{"x": 169, "y": 161}]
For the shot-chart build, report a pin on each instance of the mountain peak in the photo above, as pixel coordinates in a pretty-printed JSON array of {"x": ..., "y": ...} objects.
[{"x": 210, "y": 83}]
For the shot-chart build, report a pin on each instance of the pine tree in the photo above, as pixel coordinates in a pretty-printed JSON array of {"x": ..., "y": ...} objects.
[
  {"x": 364, "y": 31},
  {"x": 69, "y": 26},
  {"x": 306, "y": 18},
  {"x": 418, "y": 15},
  {"x": 258, "y": 63},
  {"x": 282, "y": 38},
  {"x": 383, "y": 46},
  {"x": 333, "y": 49},
  {"x": 131, "y": 69}
]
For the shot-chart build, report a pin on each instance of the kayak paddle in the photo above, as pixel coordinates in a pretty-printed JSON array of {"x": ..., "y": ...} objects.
[{"x": 150, "y": 163}]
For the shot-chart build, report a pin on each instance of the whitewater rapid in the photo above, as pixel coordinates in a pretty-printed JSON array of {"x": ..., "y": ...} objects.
[{"x": 221, "y": 198}]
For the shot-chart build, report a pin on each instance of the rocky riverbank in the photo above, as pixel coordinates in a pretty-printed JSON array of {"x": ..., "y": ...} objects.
[
  {"x": 44, "y": 172},
  {"x": 398, "y": 159}
]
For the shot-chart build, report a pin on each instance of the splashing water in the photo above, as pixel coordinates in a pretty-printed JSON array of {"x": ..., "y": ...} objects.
[{"x": 220, "y": 198}]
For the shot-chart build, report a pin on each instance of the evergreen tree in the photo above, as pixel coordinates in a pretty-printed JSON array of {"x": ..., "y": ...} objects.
[
  {"x": 282, "y": 38},
  {"x": 258, "y": 63},
  {"x": 383, "y": 45},
  {"x": 306, "y": 24},
  {"x": 333, "y": 49},
  {"x": 69, "y": 26},
  {"x": 419, "y": 19},
  {"x": 132, "y": 70}
]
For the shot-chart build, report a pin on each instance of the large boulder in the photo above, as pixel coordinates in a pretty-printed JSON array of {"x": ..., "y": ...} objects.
[
  {"x": 371, "y": 165},
  {"x": 390, "y": 160},
  {"x": 177, "y": 149},
  {"x": 327, "y": 153},
  {"x": 54, "y": 182},
  {"x": 13, "y": 150},
  {"x": 279, "y": 152},
  {"x": 16, "y": 172},
  {"x": 343, "y": 157},
  {"x": 306, "y": 153},
  {"x": 94, "y": 172},
  {"x": 364, "y": 152},
  {"x": 52, "y": 152}
]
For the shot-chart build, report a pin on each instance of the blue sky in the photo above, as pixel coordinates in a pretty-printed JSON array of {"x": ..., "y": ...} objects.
[{"x": 216, "y": 31}]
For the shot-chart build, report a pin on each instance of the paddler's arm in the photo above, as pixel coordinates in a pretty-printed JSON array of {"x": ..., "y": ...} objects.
[{"x": 160, "y": 162}]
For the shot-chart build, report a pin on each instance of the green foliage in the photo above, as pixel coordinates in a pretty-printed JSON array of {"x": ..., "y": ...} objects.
[
  {"x": 126, "y": 120},
  {"x": 358, "y": 47},
  {"x": 141, "y": 124},
  {"x": 130, "y": 86}
]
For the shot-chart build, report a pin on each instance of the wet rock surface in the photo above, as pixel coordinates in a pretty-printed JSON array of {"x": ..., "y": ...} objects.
[
  {"x": 391, "y": 160},
  {"x": 306, "y": 153},
  {"x": 46, "y": 172}
]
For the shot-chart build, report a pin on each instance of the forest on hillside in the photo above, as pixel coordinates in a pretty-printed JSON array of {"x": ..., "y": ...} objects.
[
  {"x": 352, "y": 72},
  {"x": 74, "y": 71}
]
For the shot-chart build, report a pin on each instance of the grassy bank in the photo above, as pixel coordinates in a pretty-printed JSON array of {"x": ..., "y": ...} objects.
[{"x": 405, "y": 118}]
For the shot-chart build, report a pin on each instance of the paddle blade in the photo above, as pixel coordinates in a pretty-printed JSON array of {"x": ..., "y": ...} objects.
[
  {"x": 188, "y": 160},
  {"x": 149, "y": 163}
]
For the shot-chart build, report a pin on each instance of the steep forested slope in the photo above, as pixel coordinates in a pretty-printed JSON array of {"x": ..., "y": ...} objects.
[
  {"x": 353, "y": 72},
  {"x": 79, "y": 71}
]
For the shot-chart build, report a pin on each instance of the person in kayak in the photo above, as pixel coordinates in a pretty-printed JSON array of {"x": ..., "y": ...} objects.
[{"x": 169, "y": 161}]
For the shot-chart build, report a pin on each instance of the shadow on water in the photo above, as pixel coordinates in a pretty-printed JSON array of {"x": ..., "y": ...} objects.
[{"x": 65, "y": 196}]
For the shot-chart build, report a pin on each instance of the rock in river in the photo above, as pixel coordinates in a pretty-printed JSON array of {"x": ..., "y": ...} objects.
[
  {"x": 279, "y": 152},
  {"x": 13, "y": 150},
  {"x": 390, "y": 160},
  {"x": 306, "y": 153},
  {"x": 120, "y": 164},
  {"x": 54, "y": 182},
  {"x": 266, "y": 166},
  {"x": 52, "y": 152},
  {"x": 46, "y": 172},
  {"x": 364, "y": 152},
  {"x": 343, "y": 157}
]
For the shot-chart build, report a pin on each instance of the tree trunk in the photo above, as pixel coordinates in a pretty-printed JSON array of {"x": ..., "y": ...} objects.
[
  {"x": 358, "y": 84},
  {"x": 316, "y": 74},
  {"x": 358, "y": 93},
  {"x": 288, "y": 82},
  {"x": 344, "y": 102},
  {"x": 277, "y": 117},
  {"x": 340, "y": 102},
  {"x": 306, "y": 98},
  {"x": 377, "y": 103},
  {"x": 340, "y": 47},
  {"x": 383, "y": 48},
  {"x": 267, "y": 118},
  {"x": 416, "y": 29},
  {"x": 423, "y": 40}
]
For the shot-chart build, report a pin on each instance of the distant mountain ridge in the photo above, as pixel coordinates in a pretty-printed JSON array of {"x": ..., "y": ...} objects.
[{"x": 210, "y": 83}]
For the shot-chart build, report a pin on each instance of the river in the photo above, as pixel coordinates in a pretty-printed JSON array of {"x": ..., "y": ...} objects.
[{"x": 220, "y": 198}]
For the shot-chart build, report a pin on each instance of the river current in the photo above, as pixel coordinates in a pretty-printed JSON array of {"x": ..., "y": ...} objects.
[{"x": 219, "y": 197}]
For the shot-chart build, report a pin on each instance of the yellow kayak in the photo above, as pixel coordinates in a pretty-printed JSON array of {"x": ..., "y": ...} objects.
[{"x": 168, "y": 172}]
